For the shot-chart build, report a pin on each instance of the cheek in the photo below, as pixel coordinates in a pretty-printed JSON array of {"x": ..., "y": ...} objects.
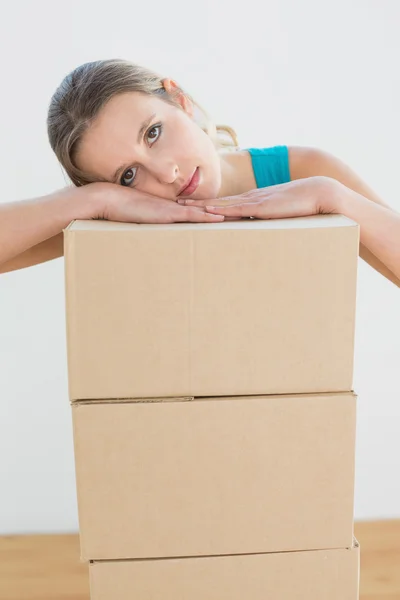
[
  {"x": 190, "y": 143},
  {"x": 190, "y": 137},
  {"x": 196, "y": 148}
]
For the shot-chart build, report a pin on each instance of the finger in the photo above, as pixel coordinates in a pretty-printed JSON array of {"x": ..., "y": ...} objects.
[
  {"x": 280, "y": 206},
  {"x": 227, "y": 201},
  {"x": 184, "y": 202},
  {"x": 235, "y": 210},
  {"x": 196, "y": 215},
  {"x": 204, "y": 217}
]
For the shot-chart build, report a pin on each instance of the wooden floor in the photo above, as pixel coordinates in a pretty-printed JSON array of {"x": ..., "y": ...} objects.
[{"x": 48, "y": 567}]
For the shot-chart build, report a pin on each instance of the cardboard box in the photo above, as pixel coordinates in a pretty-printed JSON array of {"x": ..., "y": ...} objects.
[
  {"x": 317, "y": 575},
  {"x": 211, "y": 476},
  {"x": 235, "y": 308}
]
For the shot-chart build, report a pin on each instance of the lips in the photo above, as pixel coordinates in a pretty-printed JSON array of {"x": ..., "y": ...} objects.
[{"x": 191, "y": 185}]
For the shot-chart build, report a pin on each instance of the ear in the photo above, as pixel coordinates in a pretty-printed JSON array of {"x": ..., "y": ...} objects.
[{"x": 173, "y": 89}]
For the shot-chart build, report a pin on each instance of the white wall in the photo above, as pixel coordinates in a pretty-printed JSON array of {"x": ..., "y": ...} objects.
[{"x": 309, "y": 73}]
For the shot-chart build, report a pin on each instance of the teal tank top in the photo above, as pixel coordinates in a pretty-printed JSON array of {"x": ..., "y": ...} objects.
[{"x": 270, "y": 165}]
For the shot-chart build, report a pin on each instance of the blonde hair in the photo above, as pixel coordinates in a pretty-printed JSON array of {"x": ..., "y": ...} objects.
[{"x": 82, "y": 94}]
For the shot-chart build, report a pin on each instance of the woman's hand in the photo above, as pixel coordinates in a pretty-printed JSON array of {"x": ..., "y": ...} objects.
[
  {"x": 31, "y": 230},
  {"x": 117, "y": 203},
  {"x": 379, "y": 225},
  {"x": 299, "y": 198}
]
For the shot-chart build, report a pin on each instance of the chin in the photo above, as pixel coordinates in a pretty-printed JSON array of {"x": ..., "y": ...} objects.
[{"x": 207, "y": 192}]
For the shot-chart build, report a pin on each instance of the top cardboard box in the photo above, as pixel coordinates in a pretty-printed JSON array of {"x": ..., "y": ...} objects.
[{"x": 235, "y": 308}]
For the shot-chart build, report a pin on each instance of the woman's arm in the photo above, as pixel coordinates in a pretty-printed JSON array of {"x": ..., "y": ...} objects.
[
  {"x": 379, "y": 225},
  {"x": 31, "y": 230},
  {"x": 309, "y": 162},
  {"x": 379, "y": 228},
  {"x": 42, "y": 252}
]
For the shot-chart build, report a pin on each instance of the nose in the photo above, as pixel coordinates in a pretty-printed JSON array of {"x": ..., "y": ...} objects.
[{"x": 166, "y": 171}]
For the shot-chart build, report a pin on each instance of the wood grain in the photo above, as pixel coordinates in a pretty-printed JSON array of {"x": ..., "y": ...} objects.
[
  {"x": 42, "y": 567},
  {"x": 47, "y": 567}
]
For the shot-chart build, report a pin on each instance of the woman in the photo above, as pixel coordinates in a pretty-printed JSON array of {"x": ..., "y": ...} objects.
[{"x": 137, "y": 148}]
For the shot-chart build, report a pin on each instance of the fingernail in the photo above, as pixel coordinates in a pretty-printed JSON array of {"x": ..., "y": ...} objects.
[{"x": 180, "y": 201}]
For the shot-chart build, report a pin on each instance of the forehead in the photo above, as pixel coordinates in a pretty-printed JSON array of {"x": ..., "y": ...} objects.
[
  {"x": 113, "y": 133},
  {"x": 134, "y": 105},
  {"x": 125, "y": 110}
]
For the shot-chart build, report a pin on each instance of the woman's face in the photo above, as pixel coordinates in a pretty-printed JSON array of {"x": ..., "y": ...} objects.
[{"x": 143, "y": 142}]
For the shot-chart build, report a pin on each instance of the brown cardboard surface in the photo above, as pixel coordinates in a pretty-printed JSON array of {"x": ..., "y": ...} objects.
[
  {"x": 235, "y": 308},
  {"x": 313, "y": 575},
  {"x": 212, "y": 476}
]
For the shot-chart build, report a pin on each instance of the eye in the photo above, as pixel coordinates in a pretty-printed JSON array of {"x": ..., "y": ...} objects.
[
  {"x": 153, "y": 134},
  {"x": 128, "y": 177}
]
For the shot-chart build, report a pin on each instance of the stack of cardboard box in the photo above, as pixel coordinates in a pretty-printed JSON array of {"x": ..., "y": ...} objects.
[{"x": 210, "y": 374}]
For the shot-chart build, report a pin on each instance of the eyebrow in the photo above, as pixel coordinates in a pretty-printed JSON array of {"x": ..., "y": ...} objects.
[{"x": 142, "y": 130}]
